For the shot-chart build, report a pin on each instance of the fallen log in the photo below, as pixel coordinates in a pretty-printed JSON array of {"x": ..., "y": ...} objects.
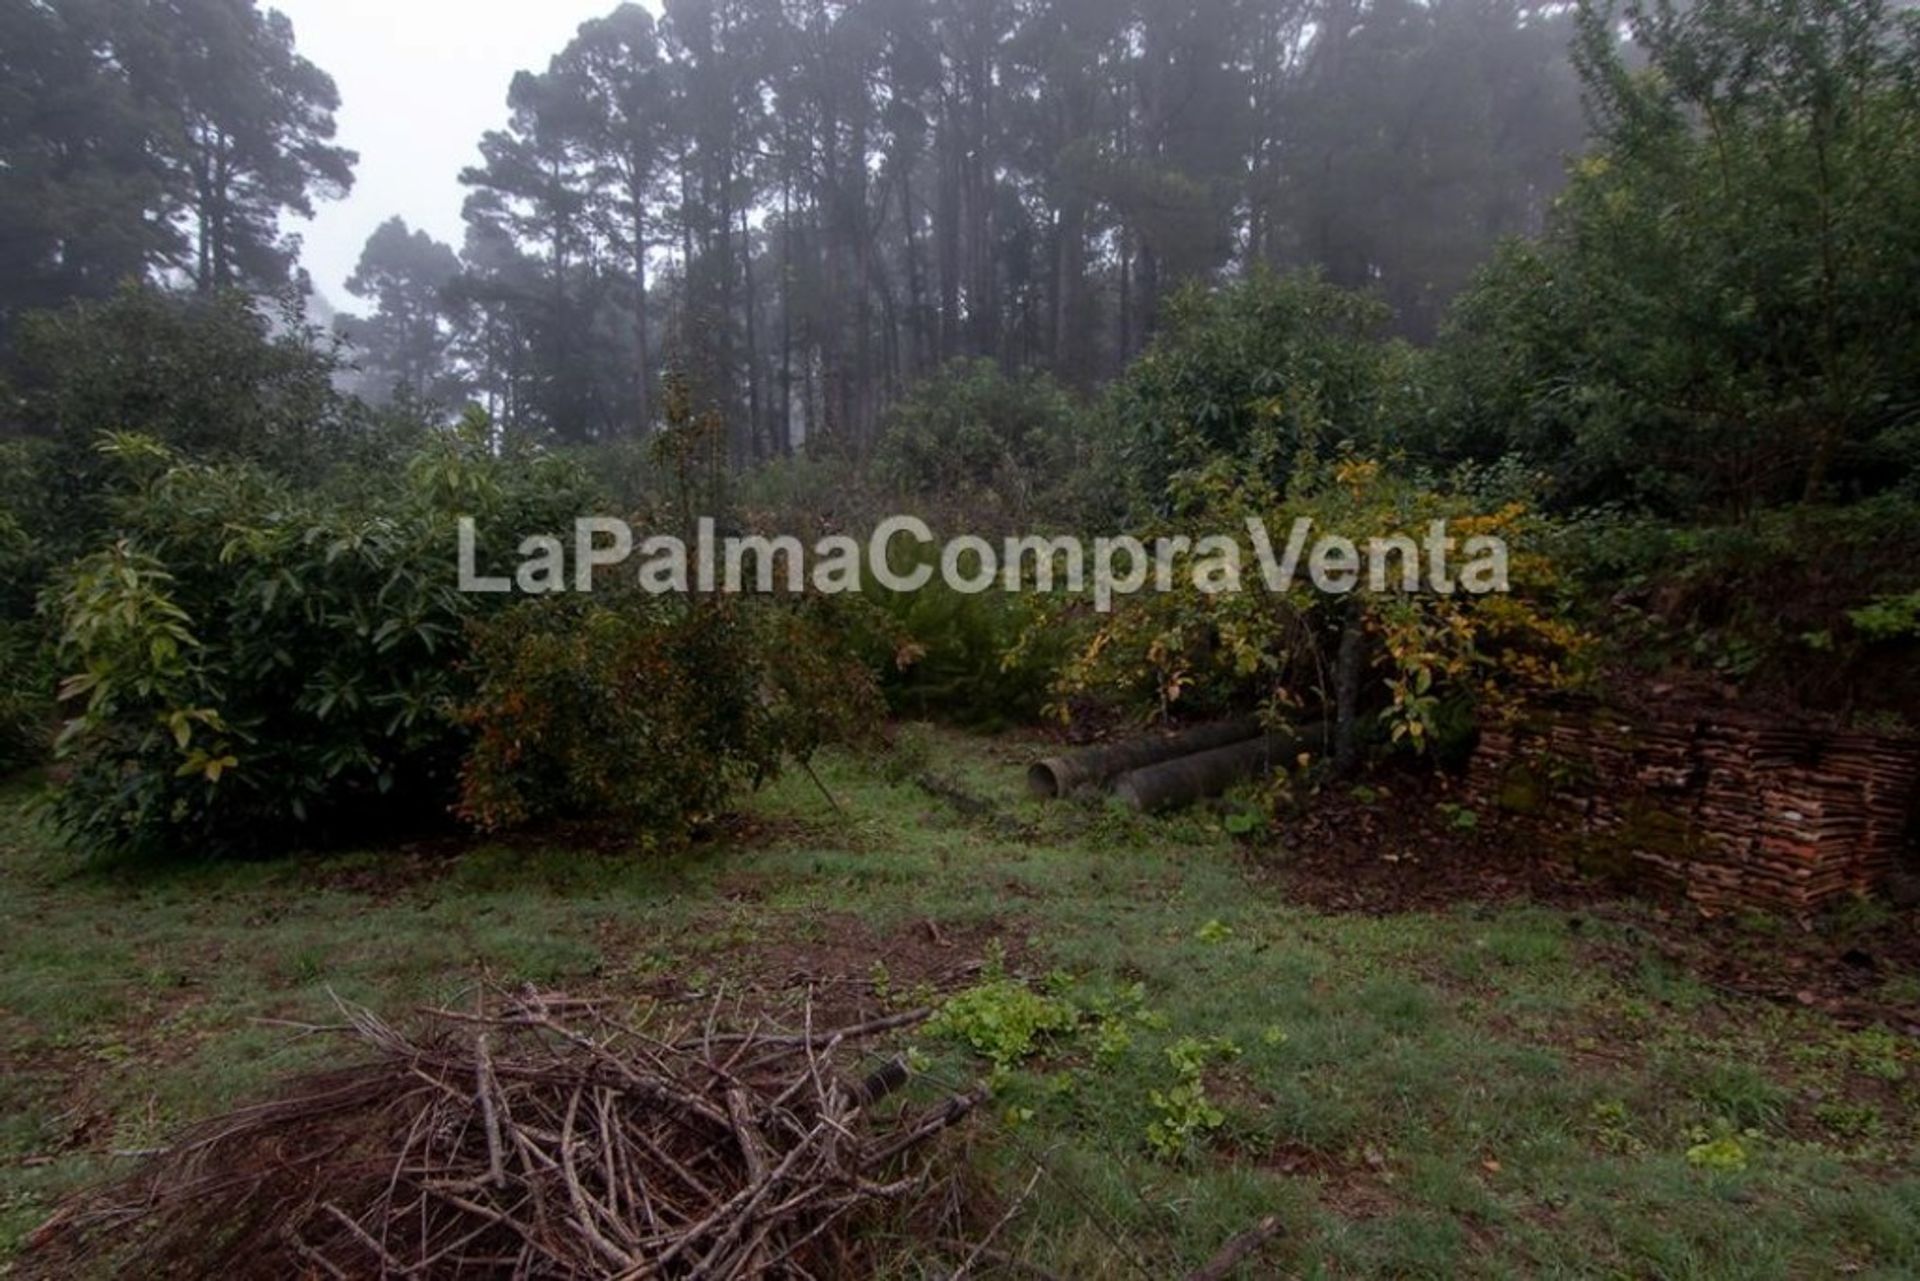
[
  {"x": 1064, "y": 775},
  {"x": 1177, "y": 783}
]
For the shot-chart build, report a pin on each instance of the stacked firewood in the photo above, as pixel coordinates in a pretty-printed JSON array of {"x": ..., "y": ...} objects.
[
  {"x": 542, "y": 1138},
  {"x": 1738, "y": 810}
]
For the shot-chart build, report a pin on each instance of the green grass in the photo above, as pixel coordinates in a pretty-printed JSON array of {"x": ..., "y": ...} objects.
[{"x": 1479, "y": 1092}]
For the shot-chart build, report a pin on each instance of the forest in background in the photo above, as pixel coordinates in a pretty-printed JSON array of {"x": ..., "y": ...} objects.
[
  {"x": 1630, "y": 286},
  {"x": 808, "y": 206},
  {"x": 1569, "y": 931}
]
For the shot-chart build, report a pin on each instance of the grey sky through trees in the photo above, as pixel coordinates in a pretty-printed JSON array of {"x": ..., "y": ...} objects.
[{"x": 420, "y": 81}]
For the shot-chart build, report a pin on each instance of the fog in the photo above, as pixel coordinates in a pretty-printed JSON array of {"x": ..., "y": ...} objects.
[
  {"x": 968, "y": 638},
  {"x": 420, "y": 81}
]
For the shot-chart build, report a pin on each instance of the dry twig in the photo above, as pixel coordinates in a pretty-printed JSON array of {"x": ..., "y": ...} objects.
[{"x": 538, "y": 1138}]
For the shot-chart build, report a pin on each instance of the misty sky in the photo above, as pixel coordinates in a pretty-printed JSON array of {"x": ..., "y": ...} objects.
[{"x": 420, "y": 81}]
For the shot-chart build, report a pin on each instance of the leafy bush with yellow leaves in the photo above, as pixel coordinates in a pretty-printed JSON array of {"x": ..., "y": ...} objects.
[{"x": 1425, "y": 664}]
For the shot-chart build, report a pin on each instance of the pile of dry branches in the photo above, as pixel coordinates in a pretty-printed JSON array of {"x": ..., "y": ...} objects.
[{"x": 538, "y": 1138}]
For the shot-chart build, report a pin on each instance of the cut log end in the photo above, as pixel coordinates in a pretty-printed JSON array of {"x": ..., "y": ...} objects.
[{"x": 1045, "y": 779}]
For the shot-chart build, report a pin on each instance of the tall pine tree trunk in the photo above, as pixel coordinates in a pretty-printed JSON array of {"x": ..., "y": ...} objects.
[
  {"x": 643, "y": 355},
  {"x": 786, "y": 303},
  {"x": 755, "y": 423},
  {"x": 919, "y": 340}
]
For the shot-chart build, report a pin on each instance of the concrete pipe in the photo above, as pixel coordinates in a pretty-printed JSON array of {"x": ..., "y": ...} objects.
[
  {"x": 1065, "y": 775},
  {"x": 1174, "y": 784}
]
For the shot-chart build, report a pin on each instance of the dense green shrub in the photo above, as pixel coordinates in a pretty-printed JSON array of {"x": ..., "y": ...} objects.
[
  {"x": 653, "y": 710},
  {"x": 1284, "y": 365},
  {"x": 964, "y": 658},
  {"x": 810, "y": 497},
  {"x": 26, "y": 671},
  {"x": 650, "y": 710},
  {"x": 1017, "y": 443},
  {"x": 26, "y": 696},
  {"x": 212, "y": 377},
  {"x": 221, "y": 375},
  {"x": 254, "y": 663},
  {"x": 1801, "y": 603},
  {"x": 1721, "y": 313},
  {"x": 207, "y": 378},
  {"x": 29, "y": 489}
]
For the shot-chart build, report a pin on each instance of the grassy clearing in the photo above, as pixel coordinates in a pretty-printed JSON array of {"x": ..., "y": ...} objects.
[{"x": 1484, "y": 1092}]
